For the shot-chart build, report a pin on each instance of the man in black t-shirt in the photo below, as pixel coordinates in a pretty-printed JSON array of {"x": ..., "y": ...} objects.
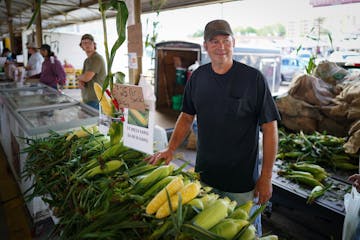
[{"x": 232, "y": 103}]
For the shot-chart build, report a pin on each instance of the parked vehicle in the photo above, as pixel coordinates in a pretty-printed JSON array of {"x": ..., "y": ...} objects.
[
  {"x": 341, "y": 57},
  {"x": 290, "y": 67},
  {"x": 266, "y": 60}
]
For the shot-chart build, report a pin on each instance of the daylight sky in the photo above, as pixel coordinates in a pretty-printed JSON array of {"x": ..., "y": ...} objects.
[{"x": 255, "y": 13}]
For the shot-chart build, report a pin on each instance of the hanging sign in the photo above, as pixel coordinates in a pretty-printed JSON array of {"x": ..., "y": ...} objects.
[
  {"x": 129, "y": 96},
  {"x": 139, "y": 119}
]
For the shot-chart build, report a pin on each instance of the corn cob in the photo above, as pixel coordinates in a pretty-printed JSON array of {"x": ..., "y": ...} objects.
[
  {"x": 108, "y": 167},
  {"x": 209, "y": 199},
  {"x": 247, "y": 206},
  {"x": 105, "y": 102},
  {"x": 240, "y": 213},
  {"x": 175, "y": 185},
  {"x": 316, "y": 192},
  {"x": 249, "y": 233},
  {"x": 320, "y": 176},
  {"x": 83, "y": 132},
  {"x": 228, "y": 227},
  {"x": 113, "y": 151},
  {"x": 308, "y": 167},
  {"x": 345, "y": 165},
  {"x": 197, "y": 203},
  {"x": 187, "y": 193},
  {"x": 153, "y": 177},
  {"x": 138, "y": 117},
  {"x": 294, "y": 172},
  {"x": 310, "y": 181},
  {"x": 155, "y": 189},
  {"x": 212, "y": 215}
]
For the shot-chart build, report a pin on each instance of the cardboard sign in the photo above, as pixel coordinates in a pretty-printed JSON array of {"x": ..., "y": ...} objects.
[{"x": 129, "y": 96}]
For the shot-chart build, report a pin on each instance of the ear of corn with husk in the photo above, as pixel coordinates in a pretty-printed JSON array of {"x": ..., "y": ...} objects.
[
  {"x": 104, "y": 100},
  {"x": 186, "y": 194},
  {"x": 174, "y": 186}
]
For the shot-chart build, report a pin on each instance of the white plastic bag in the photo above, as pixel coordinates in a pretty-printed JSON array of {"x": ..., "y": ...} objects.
[
  {"x": 148, "y": 92},
  {"x": 351, "y": 228}
]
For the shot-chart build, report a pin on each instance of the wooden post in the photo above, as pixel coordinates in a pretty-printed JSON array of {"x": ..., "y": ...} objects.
[
  {"x": 135, "y": 11},
  {"x": 38, "y": 25},
  {"x": 10, "y": 24}
]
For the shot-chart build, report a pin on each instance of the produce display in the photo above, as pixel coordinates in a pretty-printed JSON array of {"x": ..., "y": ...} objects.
[
  {"x": 311, "y": 159},
  {"x": 99, "y": 190}
]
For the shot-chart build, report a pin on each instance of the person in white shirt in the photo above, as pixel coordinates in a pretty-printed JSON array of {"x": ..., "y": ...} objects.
[{"x": 35, "y": 61}]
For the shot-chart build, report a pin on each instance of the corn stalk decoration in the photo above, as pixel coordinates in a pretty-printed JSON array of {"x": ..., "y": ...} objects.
[{"x": 116, "y": 127}]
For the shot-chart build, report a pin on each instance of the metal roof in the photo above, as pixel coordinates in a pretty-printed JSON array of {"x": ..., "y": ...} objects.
[{"x": 56, "y": 13}]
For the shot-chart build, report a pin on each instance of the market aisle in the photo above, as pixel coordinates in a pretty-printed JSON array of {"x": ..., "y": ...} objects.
[{"x": 14, "y": 220}]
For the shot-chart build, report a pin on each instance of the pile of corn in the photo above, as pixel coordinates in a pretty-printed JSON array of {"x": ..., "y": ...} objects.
[
  {"x": 100, "y": 190},
  {"x": 309, "y": 159}
]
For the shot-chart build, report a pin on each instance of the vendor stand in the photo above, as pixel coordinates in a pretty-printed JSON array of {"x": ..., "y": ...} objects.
[{"x": 32, "y": 110}]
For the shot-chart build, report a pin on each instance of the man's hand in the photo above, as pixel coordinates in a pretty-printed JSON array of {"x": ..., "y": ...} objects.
[
  {"x": 81, "y": 84},
  {"x": 166, "y": 154},
  {"x": 263, "y": 189},
  {"x": 355, "y": 179}
]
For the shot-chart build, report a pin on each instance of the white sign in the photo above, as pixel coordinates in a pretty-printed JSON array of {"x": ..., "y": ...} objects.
[
  {"x": 133, "y": 60},
  {"x": 139, "y": 130}
]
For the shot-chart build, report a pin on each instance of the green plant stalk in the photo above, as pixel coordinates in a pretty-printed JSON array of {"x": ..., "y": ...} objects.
[{"x": 103, "y": 19}]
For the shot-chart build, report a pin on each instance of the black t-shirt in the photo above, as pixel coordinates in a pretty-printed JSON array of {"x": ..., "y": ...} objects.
[{"x": 230, "y": 109}]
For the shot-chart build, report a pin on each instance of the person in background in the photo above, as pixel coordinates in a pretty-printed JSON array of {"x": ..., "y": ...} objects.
[
  {"x": 35, "y": 61},
  {"x": 355, "y": 179},
  {"x": 52, "y": 72},
  {"x": 232, "y": 103},
  {"x": 68, "y": 65},
  {"x": 93, "y": 71},
  {"x": 8, "y": 54}
]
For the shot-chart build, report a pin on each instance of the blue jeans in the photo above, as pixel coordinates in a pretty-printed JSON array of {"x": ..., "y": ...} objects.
[
  {"x": 242, "y": 198},
  {"x": 94, "y": 104}
]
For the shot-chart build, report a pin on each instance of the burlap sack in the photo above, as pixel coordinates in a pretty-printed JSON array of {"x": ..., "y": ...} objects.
[
  {"x": 311, "y": 90},
  {"x": 332, "y": 127},
  {"x": 336, "y": 112},
  {"x": 355, "y": 126},
  {"x": 350, "y": 92},
  {"x": 305, "y": 124},
  {"x": 293, "y": 107},
  {"x": 330, "y": 72},
  {"x": 353, "y": 144}
]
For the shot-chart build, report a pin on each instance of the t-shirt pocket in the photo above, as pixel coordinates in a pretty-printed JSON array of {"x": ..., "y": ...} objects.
[{"x": 239, "y": 108}]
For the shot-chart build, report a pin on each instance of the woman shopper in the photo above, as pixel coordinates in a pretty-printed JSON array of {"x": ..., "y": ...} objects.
[{"x": 52, "y": 71}]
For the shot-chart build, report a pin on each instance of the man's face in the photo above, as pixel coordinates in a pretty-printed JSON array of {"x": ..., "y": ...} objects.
[
  {"x": 31, "y": 50},
  {"x": 220, "y": 48},
  {"x": 87, "y": 45}
]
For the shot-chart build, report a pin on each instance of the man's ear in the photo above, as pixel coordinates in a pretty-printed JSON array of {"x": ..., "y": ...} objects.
[{"x": 205, "y": 45}]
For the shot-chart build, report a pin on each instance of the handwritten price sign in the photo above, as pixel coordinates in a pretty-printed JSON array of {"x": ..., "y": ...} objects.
[{"x": 129, "y": 96}]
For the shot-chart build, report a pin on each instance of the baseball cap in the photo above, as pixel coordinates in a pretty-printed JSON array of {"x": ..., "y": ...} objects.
[
  {"x": 217, "y": 27},
  {"x": 32, "y": 45},
  {"x": 87, "y": 36},
  {"x": 46, "y": 47}
]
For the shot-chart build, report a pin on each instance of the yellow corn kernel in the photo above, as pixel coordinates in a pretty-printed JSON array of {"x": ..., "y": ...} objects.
[
  {"x": 187, "y": 193},
  {"x": 247, "y": 206},
  {"x": 107, "y": 168},
  {"x": 105, "y": 102},
  {"x": 172, "y": 187}
]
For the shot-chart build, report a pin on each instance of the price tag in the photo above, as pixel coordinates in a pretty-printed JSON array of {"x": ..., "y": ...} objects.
[{"x": 129, "y": 96}]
